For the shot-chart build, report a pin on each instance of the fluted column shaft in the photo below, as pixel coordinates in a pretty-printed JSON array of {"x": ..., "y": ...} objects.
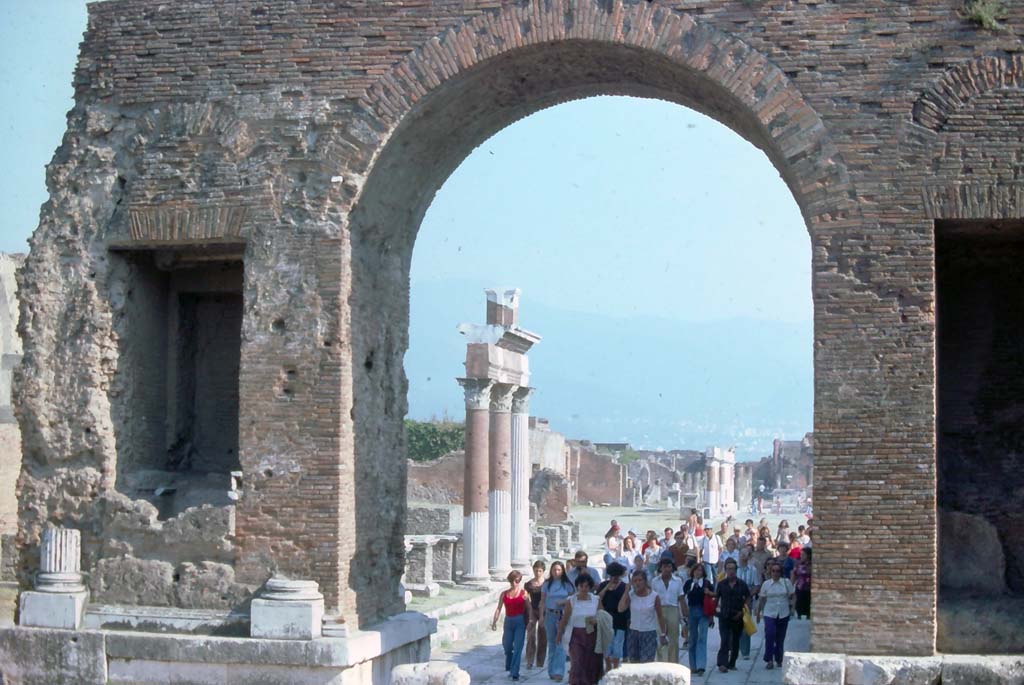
[
  {"x": 499, "y": 495},
  {"x": 475, "y": 520},
  {"x": 521, "y": 546}
]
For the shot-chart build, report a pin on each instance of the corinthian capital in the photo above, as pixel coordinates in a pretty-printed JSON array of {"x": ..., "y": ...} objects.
[
  {"x": 521, "y": 400},
  {"x": 477, "y": 392},
  {"x": 501, "y": 397}
]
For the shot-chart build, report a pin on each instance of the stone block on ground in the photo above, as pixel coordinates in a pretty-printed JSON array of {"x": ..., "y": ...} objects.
[
  {"x": 428, "y": 521},
  {"x": 812, "y": 668},
  {"x": 554, "y": 537},
  {"x": 444, "y": 561},
  {"x": 430, "y": 673},
  {"x": 893, "y": 670},
  {"x": 36, "y": 656},
  {"x": 648, "y": 674},
  {"x": 982, "y": 670}
]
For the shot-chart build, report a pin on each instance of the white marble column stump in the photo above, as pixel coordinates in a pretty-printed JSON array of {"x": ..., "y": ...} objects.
[
  {"x": 499, "y": 495},
  {"x": 521, "y": 536},
  {"x": 60, "y": 596},
  {"x": 288, "y": 610},
  {"x": 475, "y": 517}
]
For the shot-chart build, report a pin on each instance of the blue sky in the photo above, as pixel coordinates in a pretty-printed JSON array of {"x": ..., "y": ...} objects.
[{"x": 612, "y": 206}]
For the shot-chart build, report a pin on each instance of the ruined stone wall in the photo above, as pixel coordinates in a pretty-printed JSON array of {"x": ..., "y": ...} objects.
[
  {"x": 550, "y": 497},
  {"x": 439, "y": 481},
  {"x": 597, "y": 478},
  {"x": 10, "y": 437},
  {"x": 547, "y": 447},
  {"x": 315, "y": 134}
]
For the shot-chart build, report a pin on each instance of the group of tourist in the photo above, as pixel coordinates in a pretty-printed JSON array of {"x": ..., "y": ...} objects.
[{"x": 654, "y": 592}]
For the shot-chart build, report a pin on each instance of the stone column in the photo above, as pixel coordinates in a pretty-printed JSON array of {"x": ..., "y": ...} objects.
[
  {"x": 723, "y": 486},
  {"x": 499, "y": 496},
  {"x": 60, "y": 596},
  {"x": 474, "y": 501},
  {"x": 521, "y": 478},
  {"x": 714, "y": 492}
]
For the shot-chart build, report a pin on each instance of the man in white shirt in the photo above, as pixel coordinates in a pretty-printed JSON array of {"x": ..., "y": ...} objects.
[
  {"x": 670, "y": 593},
  {"x": 710, "y": 550}
]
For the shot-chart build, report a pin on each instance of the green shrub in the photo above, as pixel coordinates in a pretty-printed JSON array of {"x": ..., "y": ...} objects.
[
  {"x": 987, "y": 14},
  {"x": 430, "y": 440}
]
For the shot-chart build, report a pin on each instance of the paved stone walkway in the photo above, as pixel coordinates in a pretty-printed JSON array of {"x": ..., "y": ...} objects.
[{"x": 483, "y": 659}]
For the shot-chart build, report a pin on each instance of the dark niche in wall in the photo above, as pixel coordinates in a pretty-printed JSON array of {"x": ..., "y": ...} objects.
[
  {"x": 980, "y": 434},
  {"x": 179, "y": 325}
]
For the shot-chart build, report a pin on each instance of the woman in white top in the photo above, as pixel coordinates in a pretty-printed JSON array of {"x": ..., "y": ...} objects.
[
  {"x": 646, "y": 623},
  {"x": 586, "y": 666},
  {"x": 777, "y": 595}
]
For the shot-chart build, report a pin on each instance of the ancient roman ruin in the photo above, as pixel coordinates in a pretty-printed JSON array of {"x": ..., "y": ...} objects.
[{"x": 214, "y": 310}]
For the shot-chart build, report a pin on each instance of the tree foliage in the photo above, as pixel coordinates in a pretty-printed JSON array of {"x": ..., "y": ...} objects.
[{"x": 430, "y": 440}]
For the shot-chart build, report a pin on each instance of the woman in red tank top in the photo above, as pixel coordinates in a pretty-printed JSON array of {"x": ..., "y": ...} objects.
[{"x": 517, "y": 608}]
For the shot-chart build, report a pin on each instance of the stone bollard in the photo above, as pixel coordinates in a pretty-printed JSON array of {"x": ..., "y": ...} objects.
[
  {"x": 567, "y": 541},
  {"x": 60, "y": 596},
  {"x": 430, "y": 673},
  {"x": 648, "y": 674},
  {"x": 288, "y": 610}
]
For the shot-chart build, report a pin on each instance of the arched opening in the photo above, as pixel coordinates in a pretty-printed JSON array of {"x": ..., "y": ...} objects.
[{"x": 463, "y": 111}]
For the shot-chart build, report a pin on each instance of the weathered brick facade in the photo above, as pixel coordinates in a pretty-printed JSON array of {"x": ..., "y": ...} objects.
[{"x": 310, "y": 136}]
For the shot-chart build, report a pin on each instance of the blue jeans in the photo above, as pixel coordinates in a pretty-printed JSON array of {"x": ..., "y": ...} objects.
[
  {"x": 512, "y": 639},
  {"x": 556, "y": 655},
  {"x": 698, "y": 639},
  {"x": 744, "y": 644},
  {"x": 774, "y": 638}
]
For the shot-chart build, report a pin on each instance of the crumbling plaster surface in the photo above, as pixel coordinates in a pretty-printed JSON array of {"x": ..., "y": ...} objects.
[{"x": 320, "y": 148}]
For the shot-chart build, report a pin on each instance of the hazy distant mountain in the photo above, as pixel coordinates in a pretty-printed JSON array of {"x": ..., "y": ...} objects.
[{"x": 655, "y": 382}]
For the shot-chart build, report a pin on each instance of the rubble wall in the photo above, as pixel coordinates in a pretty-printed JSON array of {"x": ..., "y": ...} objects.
[
  {"x": 597, "y": 478},
  {"x": 10, "y": 436}
]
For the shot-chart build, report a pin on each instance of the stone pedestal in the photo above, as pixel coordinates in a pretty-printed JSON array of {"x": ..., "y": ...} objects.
[
  {"x": 554, "y": 538},
  {"x": 521, "y": 478},
  {"x": 288, "y": 610},
  {"x": 540, "y": 544},
  {"x": 60, "y": 596},
  {"x": 419, "y": 569},
  {"x": 499, "y": 496},
  {"x": 444, "y": 560}
]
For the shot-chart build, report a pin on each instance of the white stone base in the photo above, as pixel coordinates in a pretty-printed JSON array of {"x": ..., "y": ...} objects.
[
  {"x": 499, "y": 550},
  {"x": 648, "y": 674},
  {"x": 277, "y": 619},
  {"x": 52, "y": 609},
  {"x": 474, "y": 541}
]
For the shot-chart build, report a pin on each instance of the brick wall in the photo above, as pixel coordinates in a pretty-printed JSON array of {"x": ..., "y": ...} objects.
[
  {"x": 316, "y": 134},
  {"x": 596, "y": 477}
]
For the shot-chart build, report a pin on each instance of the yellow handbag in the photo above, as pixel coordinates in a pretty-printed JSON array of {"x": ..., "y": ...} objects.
[{"x": 749, "y": 627}]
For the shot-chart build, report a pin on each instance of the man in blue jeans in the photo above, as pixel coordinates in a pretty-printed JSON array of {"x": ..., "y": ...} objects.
[{"x": 733, "y": 595}]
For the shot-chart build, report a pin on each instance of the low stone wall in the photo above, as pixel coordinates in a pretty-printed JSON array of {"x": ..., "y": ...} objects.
[
  {"x": 439, "y": 481},
  {"x": 802, "y": 668},
  {"x": 35, "y": 656}
]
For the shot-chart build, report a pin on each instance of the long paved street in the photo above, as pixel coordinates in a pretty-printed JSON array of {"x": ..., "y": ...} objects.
[{"x": 483, "y": 659}]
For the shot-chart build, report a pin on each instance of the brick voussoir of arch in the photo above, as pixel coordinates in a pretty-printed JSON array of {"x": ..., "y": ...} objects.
[
  {"x": 790, "y": 123},
  {"x": 960, "y": 84}
]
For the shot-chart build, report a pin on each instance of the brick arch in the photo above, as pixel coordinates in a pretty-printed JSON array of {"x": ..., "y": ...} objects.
[
  {"x": 767, "y": 108},
  {"x": 417, "y": 123},
  {"x": 960, "y": 84}
]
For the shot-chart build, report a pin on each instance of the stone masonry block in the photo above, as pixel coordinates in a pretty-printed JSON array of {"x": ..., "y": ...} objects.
[
  {"x": 648, "y": 674},
  {"x": 893, "y": 670},
  {"x": 805, "y": 668}
]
